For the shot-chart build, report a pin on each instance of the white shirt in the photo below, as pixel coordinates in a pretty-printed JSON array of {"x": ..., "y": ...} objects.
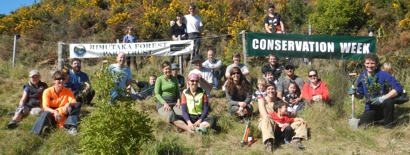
[
  {"x": 243, "y": 68},
  {"x": 193, "y": 23},
  {"x": 216, "y": 63}
]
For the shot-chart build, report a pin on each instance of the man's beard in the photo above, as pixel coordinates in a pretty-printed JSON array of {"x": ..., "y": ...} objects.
[{"x": 77, "y": 69}]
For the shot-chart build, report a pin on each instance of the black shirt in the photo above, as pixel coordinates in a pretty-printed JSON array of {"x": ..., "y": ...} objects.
[
  {"x": 276, "y": 70},
  {"x": 178, "y": 30},
  {"x": 274, "y": 21},
  {"x": 146, "y": 89}
]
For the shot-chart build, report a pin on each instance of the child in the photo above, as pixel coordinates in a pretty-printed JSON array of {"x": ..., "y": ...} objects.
[
  {"x": 261, "y": 92},
  {"x": 292, "y": 94},
  {"x": 270, "y": 77},
  {"x": 293, "y": 129},
  {"x": 387, "y": 67}
]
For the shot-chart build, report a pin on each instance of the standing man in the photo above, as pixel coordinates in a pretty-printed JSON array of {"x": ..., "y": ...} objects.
[
  {"x": 205, "y": 74},
  {"x": 215, "y": 66},
  {"x": 123, "y": 76},
  {"x": 81, "y": 82},
  {"x": 284, "y": 82},
  {"x": 272, "y": 66},
  {"x": 193, "y": 25}
]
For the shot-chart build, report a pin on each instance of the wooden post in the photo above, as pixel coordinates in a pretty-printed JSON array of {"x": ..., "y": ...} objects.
[
  {"x": 244, "y": 46},
  {"x": 60, "y": 55}
]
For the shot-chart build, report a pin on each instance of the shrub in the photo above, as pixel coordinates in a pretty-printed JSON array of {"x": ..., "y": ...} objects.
[{"x": 113, "y": 129}]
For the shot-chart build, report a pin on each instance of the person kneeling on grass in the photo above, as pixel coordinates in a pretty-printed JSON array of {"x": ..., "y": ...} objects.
[
  {"x": 294, "y": 129},
  {"x": 195, "y": 108},
  {"x": 59, "y": 105},
  {"x": 31, "y": 99}
]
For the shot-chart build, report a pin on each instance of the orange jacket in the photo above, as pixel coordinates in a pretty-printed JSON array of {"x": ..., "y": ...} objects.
[
  {"x": 58, "y": 101},
  {"x": 309, "y": 91}
]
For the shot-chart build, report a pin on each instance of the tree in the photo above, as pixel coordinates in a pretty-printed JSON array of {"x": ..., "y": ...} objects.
[{"x": 337, "y": 16}]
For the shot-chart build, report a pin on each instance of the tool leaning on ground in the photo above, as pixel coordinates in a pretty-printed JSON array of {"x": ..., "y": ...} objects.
[
  {"x": 246, "y": 140},
  {"x": 353, "y": 122}
]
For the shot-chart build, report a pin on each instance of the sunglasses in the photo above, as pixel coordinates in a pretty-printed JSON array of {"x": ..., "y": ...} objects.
[
  {"x": 288, "y": 68},
  {"x": 58, "y": 79},
  {"x": 194, "y": 81},
  {"x": 314, "y": 75},
  {"x": 235, "y": 73}
]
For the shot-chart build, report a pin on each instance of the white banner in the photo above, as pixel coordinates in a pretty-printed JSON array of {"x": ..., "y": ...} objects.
[{"x": 164, "y": 48}]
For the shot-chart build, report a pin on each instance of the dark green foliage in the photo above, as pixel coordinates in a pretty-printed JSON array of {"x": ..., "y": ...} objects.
[
  {"x": 113, "y": 129},
  {"x": 296, "y": 13},
  {"x": 349, "y": 13}
]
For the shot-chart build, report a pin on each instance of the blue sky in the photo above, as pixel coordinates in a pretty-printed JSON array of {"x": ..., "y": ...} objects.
[{"x": 7, "y": 6}]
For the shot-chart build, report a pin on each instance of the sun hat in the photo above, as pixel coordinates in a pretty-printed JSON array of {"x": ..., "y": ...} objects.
[
  {"x": 34, "y": 72},
  {"x": 197, "y": 57},
  {"x": 174, "y": 66}
]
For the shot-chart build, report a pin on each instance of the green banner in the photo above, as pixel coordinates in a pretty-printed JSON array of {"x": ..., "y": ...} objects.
[{"x": 309, "y": 46}]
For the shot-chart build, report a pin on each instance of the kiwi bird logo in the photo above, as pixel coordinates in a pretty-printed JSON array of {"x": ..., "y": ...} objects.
[{"x": 79, "y": 50}]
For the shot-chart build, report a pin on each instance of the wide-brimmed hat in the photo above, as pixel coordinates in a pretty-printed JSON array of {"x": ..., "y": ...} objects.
[
  {"x": 34, "y": 72},
  {"x": 197, "y": 57},
  {"x": 174, "y": 66}
]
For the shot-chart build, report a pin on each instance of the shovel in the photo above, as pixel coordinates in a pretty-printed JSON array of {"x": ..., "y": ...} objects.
[{"x": 353, "y": 122}]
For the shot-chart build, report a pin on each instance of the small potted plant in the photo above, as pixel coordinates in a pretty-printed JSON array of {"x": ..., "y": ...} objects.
[{"x": 374, "y": 88}]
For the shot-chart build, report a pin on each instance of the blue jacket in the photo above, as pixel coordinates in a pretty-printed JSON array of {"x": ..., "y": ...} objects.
[{"x": 382, "y": 77}]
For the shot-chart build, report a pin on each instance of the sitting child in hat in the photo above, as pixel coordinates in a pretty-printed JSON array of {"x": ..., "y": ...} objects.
[
  {"x": 181, "y": 79},
  {"x": 31, "y": 100}
]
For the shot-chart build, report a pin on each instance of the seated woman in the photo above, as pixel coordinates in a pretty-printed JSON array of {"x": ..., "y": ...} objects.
[
  {"x": 266, "y": 124},
  {"x": 239, "y": 94},
  {"x": 167, "y": 92},
  {"x": 32, "y": 92},
  {"x": 195, "y": 108},
  {"x": 315, "y": 89},
  {"x": 59, "y": 107}
]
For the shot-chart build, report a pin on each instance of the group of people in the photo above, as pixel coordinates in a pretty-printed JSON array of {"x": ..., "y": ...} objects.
[
  {"x": 61, "y": 102},
  {"x": 281, "y": 99},
  {"x": 185, "y": 102},
  {"x": 188, "y": 108}
]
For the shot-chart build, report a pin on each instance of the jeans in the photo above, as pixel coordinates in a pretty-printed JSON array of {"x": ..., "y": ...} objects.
[
  {"x": 215, "y": 79},
  {"x": 46, "y": 118},
  {"x": 197, "y": 43}
]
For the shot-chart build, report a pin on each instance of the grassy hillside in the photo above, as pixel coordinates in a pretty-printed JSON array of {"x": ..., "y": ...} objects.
[
  {"x": 43, "y": 24},
  {"x": 328, "y": 126}
]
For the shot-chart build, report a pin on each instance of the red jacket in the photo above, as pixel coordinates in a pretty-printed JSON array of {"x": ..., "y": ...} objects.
[
  {"x": 309, "y": 91},
  {"x": 284, "y": 119}
]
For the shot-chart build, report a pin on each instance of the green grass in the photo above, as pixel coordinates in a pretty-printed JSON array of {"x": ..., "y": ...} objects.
[{"x": 328, "y": 125}]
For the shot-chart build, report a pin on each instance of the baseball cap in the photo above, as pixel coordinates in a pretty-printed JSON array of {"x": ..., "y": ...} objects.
[
  {"x": 289, "y": 66},
  {"x": 34, "y": 72},
  {"x": 174, "y": 66}
]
